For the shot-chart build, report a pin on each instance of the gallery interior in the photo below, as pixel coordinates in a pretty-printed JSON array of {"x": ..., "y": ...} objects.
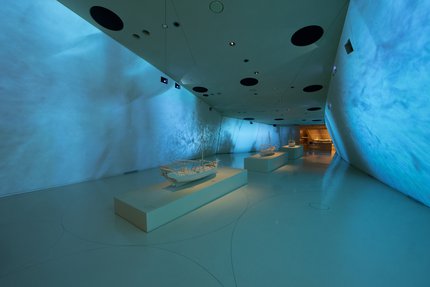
[{"x": 215, "y": 143}]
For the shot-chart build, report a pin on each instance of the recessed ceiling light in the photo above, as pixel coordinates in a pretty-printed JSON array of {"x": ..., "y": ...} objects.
[
  {"x": 249, "y": 119},
  {"x": 136, "y": 36},
  {"x": 314, "y": 109},
  {"x": 256, "y": 73},
  {"x": 146, "y": 32},
  {"x": 216, "y": 6},
  {"x": 176, "y": 24},
  {"x": 232, "y": 43},
  {"x": 246, "y": 60},
  {"x": 164, "y": 26}
]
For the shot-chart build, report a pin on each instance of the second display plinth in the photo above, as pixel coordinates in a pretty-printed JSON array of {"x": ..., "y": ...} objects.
[{"x": 265, "y": 163}]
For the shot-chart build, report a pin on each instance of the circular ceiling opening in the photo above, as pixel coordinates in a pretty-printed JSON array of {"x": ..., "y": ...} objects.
[
  {"x": 312, "y": 88},
  {"x": 249, "y": 81},
  {"x": 216, "y": 7},
  {"x": 106, "y": 18},
  {"x": 146, "y": 32},
  {"x": 307, "y": 35},
  {"x": 249, "y": 119},
  {"x": 279, "y": 119},
  {"x": 200, "y": 89},
  {"x": 314, "y": 109}
]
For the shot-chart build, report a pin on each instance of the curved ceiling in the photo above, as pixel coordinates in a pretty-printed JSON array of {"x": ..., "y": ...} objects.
[{"x": 255, "y": 60}]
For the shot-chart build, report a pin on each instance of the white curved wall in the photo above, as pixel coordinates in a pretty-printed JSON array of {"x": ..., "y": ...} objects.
[
  {"x": 379, "y": 99},
  {"x": 76, "y": 106}
]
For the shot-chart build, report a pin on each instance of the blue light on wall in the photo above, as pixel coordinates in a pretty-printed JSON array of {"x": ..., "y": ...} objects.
[{"x": 380, "y": 92}]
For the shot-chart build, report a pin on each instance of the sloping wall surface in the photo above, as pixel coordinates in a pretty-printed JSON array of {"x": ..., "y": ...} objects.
[
  {"x": 241, "y": 136},
  {"x": 378, "y": 102},
  {"x": 75, "y": 105}
]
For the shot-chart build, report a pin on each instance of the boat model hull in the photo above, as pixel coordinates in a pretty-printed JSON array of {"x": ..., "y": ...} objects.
[{"x": 185, "y": 171}]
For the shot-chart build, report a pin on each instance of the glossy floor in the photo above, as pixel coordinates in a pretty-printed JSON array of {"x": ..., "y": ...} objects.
[{"x": 314, "y": 222}]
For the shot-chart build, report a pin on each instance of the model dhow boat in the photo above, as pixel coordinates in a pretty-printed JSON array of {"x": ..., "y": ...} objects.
[
  {"x": 184, "y": 171},
  {"x": 267, "y": 150}
]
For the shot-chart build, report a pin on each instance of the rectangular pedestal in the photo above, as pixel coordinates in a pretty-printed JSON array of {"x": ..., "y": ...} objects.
[
  {"x": 293, "y": 152},
  {"x": 156, "y": 205},
  {"x": 265, "y": 163}
]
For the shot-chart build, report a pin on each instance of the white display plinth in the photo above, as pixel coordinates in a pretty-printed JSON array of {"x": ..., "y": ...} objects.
[
  {"x": 151, "y": 207},
  {"x": 293, "y": 152},
  {"x": 265, "y": 163}
]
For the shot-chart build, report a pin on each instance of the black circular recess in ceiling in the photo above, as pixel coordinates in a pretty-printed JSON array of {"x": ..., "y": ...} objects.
[
  {"x": 307, "y": 35},
  {"x": 249, "y": 81},
  {"x": 316, "y": 120},
  {"x": 312, "y": 88},
  {"x": 314, "y": 109},
  {"x": 106, "y": 18},
  {"x": 249, "y": 119},
  {"x": 279, "y": 119},
  {"x": 200, "y": 89},
  {"x": 176, "y": 24}
]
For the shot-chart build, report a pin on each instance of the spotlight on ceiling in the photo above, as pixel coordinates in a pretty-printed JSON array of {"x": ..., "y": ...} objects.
[
  {"x": 232, "y": 43},
  {"x": 274, "y": 125},
  {"x": 251, "y": 123},
  {"x": 177, "y": 86},
  {"x": 164, "y": 80}
]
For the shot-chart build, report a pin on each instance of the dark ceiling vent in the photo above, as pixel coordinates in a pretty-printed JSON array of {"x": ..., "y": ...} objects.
[
  {"x": 106, "y": 18},
  {"x": 200, "y": 89},
  {"x": 249, "y": 119},
  {"x": 314, "y": 109},
  {"x": 348, "y": 47},
  {"x": 279, "y": 119},
  {"x": 312, "y": 88},
  {"x": 307, "y": 35},
  {"x": 249, "y": 81}
]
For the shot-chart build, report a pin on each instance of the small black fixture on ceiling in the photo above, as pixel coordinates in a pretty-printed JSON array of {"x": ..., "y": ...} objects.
[
  {"x": 106, "y": 18},
  {"x": 176, "y": 24},
  {"x": 251, "y": 123},
  {"x": 246, "y": 60},
  {"x": 274, "y": 125},
  {"x": 136, "y": 36},
  {"x": 348, "y": 47},
  {"x": 307, "y": 35},
  {"x": 200, "y": 89},
  {"x": 279, "y": 119},
  {"x": 314, "y": 109},
  {"x": 164, "y": 80},
  {"x": 249, "y": 119},
  {"x": 177, "y": 86},
  {"x": 232, "y": 43},
  {"x": 316, "y": 120},
  {"x": 205, "y": 95},
  {"x": 146, "y": 32},
  {"x": 312, "y": 88},
  {"x": 210, "y": 108}
]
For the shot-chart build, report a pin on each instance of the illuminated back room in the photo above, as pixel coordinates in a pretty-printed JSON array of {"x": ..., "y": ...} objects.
[{"x": 215, "y": 143}]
